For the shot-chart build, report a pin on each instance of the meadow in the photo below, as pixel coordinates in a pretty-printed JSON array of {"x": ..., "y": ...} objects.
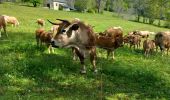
[{"x": 30, "y": 73}]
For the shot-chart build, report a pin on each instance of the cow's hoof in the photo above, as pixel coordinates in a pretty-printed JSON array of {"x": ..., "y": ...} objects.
[
  {"x": 74, "y": 58},
  {"x": 95, "y": 71},
  {"x": 83, "y": 71}
]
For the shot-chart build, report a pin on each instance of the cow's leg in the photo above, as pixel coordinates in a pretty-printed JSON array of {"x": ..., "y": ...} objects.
[
  {"x": 81, "y": 57},
  {"x": 156, "y": 48},
  {"x": 130, "y": 46},
  {"x": 40, "y": 42},
  {"x": 74, "y": 53},
  {"x": 4, "y": 27},
  {"x": 108, "y": 53},
  {"x": 162, "y": 51},
  {"x": 50, "y": 48},
  {"x": 134, "y": 46},
  {"x": 145, "y": 53},
  {"x": 113, "y": 55},
  {"x": 0, "y": 31},
  {"x": 93, "y": 57},
  {"x": 167, "y": 50},
  {"x": 37, "y": 40}
]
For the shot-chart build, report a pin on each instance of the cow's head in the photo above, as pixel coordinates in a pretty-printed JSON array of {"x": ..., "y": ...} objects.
[
  {"x": 66, "y": 36},
  {"x": 119, "y": 40},
  {"x": 62, "y": 25}
]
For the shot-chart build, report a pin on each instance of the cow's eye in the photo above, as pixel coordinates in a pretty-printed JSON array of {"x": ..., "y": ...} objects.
[{"x": 63, "y": 31}]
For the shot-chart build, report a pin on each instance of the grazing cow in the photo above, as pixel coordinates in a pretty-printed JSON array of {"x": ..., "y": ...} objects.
[
  {"x": 3, "y": 25},
  {"x": 11, "y": 20},
  {"x": 162, "y": 39},
  {"x": 4, "y": 20},
  {"x": 134, "y": 40},
  {"x": 143, "y": 34},
  {"x": 40, "y": 22},
  {"x": 148, "y": 46},
  {"x": 112, "y": 39},
  {"x": 80, "y": 36},
  {"x": 44, "y": 37}
]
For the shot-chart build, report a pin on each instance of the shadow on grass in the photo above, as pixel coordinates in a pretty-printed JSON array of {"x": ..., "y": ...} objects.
[{"x": 57, "y": 76}]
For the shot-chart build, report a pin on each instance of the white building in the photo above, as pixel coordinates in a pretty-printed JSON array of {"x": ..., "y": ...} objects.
[{"x": 60, "y": 4}]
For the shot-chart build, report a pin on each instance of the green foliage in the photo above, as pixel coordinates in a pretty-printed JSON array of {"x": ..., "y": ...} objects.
[
  {"x": 35, "y": 3},
  {"x": 167, "y": 24},
  {"x": 81, "y": 5},
  {"x": 30, "y": 73}
]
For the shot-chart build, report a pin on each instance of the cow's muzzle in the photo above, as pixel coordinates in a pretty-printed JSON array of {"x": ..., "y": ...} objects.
[{"x": 53, "y": 44}]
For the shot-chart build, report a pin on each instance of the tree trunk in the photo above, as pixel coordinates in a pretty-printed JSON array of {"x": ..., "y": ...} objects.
[
  {"x": 159, "y": 22},
  {"x": 34, "y": 4},
  {"x": 138, "y": 18}
]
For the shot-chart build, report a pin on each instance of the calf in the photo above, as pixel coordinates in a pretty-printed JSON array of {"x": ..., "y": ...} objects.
[
  {"x": 44, "y": 37},
  {"x": 112, "y": 39},
  {"x": 148, "y": 46},
  {"x": 134, "y": 40},
  {"x": 40, "y": 22}
]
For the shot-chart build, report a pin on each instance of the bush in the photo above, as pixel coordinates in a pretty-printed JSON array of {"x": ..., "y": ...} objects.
[
  {"x": 91, "y": 11},
  {"x": 167, "y": 24}
]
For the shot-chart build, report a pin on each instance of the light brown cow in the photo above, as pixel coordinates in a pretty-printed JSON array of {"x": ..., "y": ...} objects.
[
  {"x": 143, "y": 34},
  {"x": 44, "y": 37},
  {"x": 3, "y": 25},
  {"x": 40, "y": 22},
  {"x": 80, "y": 36},
  {"x": 11, "y": 20},
  {"x": 148, "y": 46},
  {"x": 162, "y": 39},
  {"x": 112, "y": 39}
]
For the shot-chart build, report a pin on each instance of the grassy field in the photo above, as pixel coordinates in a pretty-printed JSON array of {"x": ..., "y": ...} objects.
[{"x": 30, "y": 73}]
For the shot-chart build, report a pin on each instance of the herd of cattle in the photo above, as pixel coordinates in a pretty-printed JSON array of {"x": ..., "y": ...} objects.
[{"x": 83, "y": 40}]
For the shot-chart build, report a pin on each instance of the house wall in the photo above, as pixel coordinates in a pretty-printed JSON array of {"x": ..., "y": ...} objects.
[{"x": 55, "y": 6}]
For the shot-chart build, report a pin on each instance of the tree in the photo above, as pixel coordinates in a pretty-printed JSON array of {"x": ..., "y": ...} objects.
[
  {"x": 167, "y": 23},
  {"x": 34, "y": 2},
  {"x": 119, "y": 6},
  {"x": 100, "y": 5},
  {"x": 163, "y": 7},
  {"x": 80, "y": 5}
]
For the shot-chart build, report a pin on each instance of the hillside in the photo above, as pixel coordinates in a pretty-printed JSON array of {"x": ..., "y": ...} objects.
[{"x": 29, "y": 72}]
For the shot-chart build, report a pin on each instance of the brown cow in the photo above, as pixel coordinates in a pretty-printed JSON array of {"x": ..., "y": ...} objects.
[
  {"x": 40, "y": 22},
  {"x": 162, "y": 39},
  {"x": 112, "y": 39},
  {"x": 126, "y": 39},
  {"x": 44, "y": 37},
  {"x": 134, "y": 40},
  {"x": 80, "y": 36},
  {"x": 148, "y": 46}
]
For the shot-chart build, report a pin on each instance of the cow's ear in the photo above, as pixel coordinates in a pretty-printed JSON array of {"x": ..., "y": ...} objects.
[{"x": 75, "y": 27}]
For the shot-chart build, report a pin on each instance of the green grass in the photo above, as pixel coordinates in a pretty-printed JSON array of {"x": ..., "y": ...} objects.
[{"x": 28, "y": 72}]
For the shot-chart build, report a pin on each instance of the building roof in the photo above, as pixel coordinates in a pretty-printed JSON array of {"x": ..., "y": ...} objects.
[{"x": 61, "y": 1}]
